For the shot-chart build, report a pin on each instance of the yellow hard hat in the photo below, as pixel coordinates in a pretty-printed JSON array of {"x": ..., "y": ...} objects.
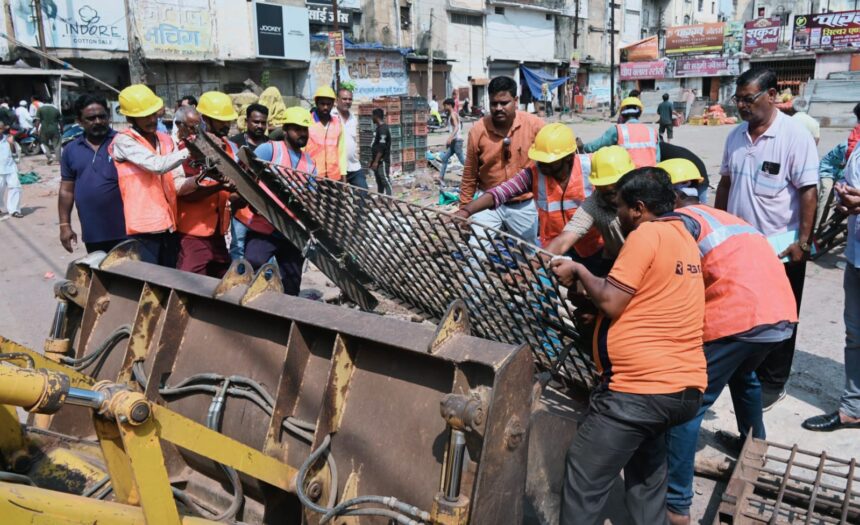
[
  {"x": 681, "y": 170},
  {"x": 553, "y": 142},
  {"x": 217, "y": 105},
  {"x": 138, "y": 100},
  {"x": 609, "y": 164},
  {"x": 632, "y": 101},
  {"x": 325, "y": 92},
  {"x": 298, "y": 116}
]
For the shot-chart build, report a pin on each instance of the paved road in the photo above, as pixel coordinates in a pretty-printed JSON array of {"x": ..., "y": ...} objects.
[{"x": 32, "y": 258}]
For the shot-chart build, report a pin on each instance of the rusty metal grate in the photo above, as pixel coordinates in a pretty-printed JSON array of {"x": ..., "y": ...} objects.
[
  {"x": 424, "y": 259},
  {"x": 832, "y": 230},
  {"x": 774, "y": 483}
]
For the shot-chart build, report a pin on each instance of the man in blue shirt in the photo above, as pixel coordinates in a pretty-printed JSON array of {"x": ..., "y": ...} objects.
[
  {"x": 261, "y": 246},
  {"x": 89, "y": 180},
  {"x": 847, "y": 415}
]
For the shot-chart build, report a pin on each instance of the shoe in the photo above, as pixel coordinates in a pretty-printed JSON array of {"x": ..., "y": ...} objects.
[
  {"x": 733, "y": 443},
  {"x": 770, "y": 398},
  {"x": 827, "y": 423},
  {"x": 17, "y": 214}
]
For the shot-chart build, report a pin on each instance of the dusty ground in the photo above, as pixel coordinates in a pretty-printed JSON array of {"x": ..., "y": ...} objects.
[{"x": 32, "y": 259}]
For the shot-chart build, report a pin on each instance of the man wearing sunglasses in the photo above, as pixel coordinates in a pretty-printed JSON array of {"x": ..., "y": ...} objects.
[
  {"x": 496, "y": 151},
  {"x": 770, "y": 179}
]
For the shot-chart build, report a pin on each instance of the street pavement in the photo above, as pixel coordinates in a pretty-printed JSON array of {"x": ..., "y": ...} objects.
[{"x": 32, "y": 259}]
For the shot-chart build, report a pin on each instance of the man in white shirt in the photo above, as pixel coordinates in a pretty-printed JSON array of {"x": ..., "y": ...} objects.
[
  {"x": 349, "y": 120},
  {"x": 25, "y": 121}
]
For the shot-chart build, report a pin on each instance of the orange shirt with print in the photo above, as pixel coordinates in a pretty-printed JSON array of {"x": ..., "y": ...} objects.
[{"x": 655, "y": 345}]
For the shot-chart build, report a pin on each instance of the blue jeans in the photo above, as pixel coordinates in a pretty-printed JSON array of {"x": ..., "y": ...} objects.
[
  {"x": 849, "y": 403},
  {"x": 238, "y": 232},
  {"x": 455, "y": 148},
  {"x": 732, "y": 362},
  {"x": 357, "y": 179}
]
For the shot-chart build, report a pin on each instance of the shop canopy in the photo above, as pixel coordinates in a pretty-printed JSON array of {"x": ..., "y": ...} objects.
[{"x": 536, "y": 78}]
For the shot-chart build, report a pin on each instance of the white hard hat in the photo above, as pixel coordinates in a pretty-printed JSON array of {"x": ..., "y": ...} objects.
[{"x": 23, "y": 103}]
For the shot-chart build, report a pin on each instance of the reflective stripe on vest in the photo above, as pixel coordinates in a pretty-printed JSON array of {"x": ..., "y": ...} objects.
[
  {"x": 257, "y": 222},
  {"x": 555, "y": 206},
  {"x": 640, "y": 141},
  {"x": 720, "y": 232},
  {"x": 149, "y": 199},
  {"x": 745, "y": 282},
  {"x": 323, "y": 148}
]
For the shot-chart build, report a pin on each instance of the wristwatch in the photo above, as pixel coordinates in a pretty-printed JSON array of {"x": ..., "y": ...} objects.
[{"x": 805, "y": 247}]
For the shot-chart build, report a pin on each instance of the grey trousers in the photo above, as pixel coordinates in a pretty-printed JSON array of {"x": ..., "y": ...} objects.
[
  {"x": 849, "y": 404},
  {"x": 825, "y": 184}
]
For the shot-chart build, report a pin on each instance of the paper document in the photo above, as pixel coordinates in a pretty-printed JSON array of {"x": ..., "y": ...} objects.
[{"x": 780, "y": 241}]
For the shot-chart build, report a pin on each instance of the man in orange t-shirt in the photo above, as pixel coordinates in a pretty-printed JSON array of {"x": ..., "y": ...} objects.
[{"x": 648, "y": 348}]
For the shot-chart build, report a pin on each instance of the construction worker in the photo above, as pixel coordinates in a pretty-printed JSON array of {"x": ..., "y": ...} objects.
[
  {"x": 749, "y": 311},
  {"x": 637, "y": 138},
  {"x": 598, "y": 211},
  {"x": 146, "y": 163},
  {"x": 326, "y": 142},
  {"x": 204, "y": 215},
  {"x": 559, "y": 181},
  {"x": 648, "y": 348},
  {"x": 263, "y": 242}
]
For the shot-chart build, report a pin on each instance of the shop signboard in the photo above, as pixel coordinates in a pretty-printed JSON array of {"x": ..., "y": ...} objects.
[
  {"x": 642, "y": 51},
  {"x": 73, "y": 24},
  {"x": 833, "y": 30},
  {"x": 324, "y": 15},
  {"x": 706, "y": 67},
  {"x": 643, "y": 70},
  {"x": 176, "y": 29},
  {"x": 762, "y": 34},
  {"x": 282, "y": 31},
  {"x": 697, "y": 38}
]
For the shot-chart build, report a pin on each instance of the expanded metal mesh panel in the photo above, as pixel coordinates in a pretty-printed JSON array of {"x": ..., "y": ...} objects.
[
  {"x": 426, "y": 259},
  {"x": 782, "y": 484}
]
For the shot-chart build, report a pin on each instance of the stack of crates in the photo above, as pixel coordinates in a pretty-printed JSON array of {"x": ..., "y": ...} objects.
[
  {"x": 366, "y": 130},
  {"x": 407, "y": 105},
  {"x": 422, "y": 113}
]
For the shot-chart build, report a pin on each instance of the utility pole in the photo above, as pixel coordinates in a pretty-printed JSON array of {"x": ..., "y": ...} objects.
[
  {"x": 576, "y": 26},
  {"x": 136, "y": 72},
  {"x": 37, "y": 6},
  {"x": 612, "y": 57},
  {"x": 430, "y": 60},
  {"x": 336, "y": 29}
]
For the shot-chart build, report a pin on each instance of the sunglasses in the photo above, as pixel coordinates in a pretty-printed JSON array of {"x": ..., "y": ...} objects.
[{"x": 506, "y": 148}]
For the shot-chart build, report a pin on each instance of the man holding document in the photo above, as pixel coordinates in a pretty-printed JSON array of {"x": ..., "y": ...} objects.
[{"x": 770, "y": 179}]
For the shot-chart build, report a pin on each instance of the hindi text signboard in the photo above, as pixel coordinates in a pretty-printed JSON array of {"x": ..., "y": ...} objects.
[
  {"x": 696, "y": 38},
  {"x": 643, "y": 70},
  {"x": 827, "y": 30},
  {"x": 762, "y": 34}
]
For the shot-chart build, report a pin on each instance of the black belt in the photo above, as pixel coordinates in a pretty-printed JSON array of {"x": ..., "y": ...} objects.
[{"x": 688, "y": 394}]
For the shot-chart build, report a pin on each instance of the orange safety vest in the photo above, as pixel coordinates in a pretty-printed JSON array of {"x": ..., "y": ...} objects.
[
  {"x": 323, "y": 147},
  {"x": 209, "y": 215},
  {"x": 640, "y": 141},
  {"x": 745, "y": 282},
  {"x": 556, "y": 205},
  {"x": 280, "y": 156},
  {"x": 149, "y": 199}
]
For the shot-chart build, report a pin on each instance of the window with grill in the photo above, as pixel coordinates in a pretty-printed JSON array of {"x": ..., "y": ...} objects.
[
  {"x": 701, "y": 5},
  {"x": 466, "y": 20}
]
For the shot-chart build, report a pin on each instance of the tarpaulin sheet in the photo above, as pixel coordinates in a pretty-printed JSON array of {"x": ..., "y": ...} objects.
[{"x": 535, "y": 79}]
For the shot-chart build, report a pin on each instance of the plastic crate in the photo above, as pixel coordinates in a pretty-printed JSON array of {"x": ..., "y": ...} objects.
[
  {"x": 409, "y": 155},
  {"x": 408, "y": 167},
  {"x": 396, "y": 132},
  {"x": 396, "y": 146},
  {"x": 421, "y": 128},
  {"x": 421, "y": 142},
  {"x": 407, "y": 117},
  {"x": 365, "y": 110},
  {"x": 396, "y": 157},
  {"x": 408, "y": 142},
  {"x": 392, "y": 118},
  {"x": 421, "y": 163}
]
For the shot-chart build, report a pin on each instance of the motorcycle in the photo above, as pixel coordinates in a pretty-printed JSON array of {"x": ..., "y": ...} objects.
[
  {"x": 474, "y": 113},
  {"x": 434, "y": 124},
  {"x": 70, "y": 133},
  {"x": 26, "y": 143}
]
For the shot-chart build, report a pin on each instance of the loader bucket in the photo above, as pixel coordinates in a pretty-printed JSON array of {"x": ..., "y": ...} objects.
[{"x": 298, "y": 373}]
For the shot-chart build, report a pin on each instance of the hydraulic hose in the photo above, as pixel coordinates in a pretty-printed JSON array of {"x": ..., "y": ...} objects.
[
  {"x": 101, "y": 352},
  {"x": 213, "y": 421}
]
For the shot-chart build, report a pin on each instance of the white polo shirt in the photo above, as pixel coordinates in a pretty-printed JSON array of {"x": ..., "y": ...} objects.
[
  {"x": 350, "y": 137},
  {"x": 767, "y": 174}
]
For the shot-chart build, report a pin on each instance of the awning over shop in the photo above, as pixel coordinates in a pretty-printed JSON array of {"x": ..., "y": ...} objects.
[
  {"x": 38, "y": 72},
  {"x": 535, "y": 79}
]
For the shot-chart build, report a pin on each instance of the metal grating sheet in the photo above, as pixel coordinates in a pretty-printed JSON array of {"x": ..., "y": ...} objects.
[
  {"x": 425, "y": 259},
  {"x": 774, "y": 483}
]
